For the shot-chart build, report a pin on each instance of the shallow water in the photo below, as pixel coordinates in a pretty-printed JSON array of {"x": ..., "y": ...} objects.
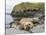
[{"x": 9, "y": 19}]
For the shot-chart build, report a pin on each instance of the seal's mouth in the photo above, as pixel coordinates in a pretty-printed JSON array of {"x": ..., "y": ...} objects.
[{"x": 27, "y": 28}]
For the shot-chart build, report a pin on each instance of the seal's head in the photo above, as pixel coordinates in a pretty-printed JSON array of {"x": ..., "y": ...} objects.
[{"x": 28, "y": 25}]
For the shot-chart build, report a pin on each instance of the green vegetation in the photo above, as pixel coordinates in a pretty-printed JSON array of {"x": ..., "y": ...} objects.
[{"x": 20, "y": 9}]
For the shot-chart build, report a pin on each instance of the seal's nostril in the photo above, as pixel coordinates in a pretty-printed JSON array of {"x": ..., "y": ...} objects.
[{"x": 29, "y": 24}]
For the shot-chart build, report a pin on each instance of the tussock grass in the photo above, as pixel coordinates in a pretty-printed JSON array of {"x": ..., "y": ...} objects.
[
  {"x": 19, "y": 9},
  {"x": 28, "y": 5}
]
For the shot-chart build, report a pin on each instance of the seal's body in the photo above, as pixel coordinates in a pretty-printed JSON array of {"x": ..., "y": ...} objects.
[{"x": 26, "y": 23}]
